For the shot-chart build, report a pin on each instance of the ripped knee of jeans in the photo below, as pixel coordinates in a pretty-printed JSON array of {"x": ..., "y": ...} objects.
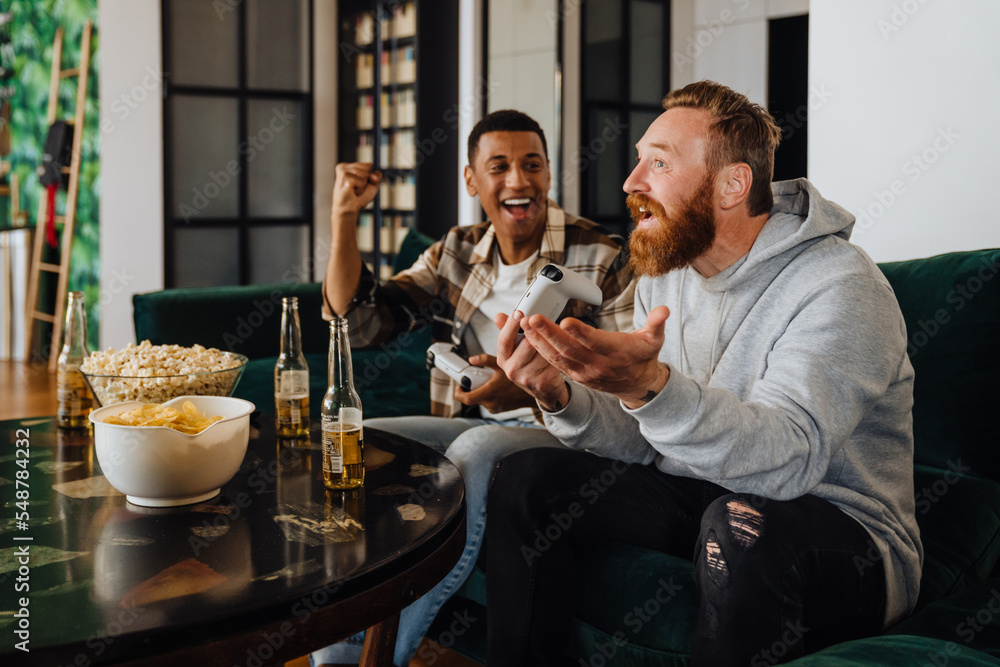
[
  {"x": 715, "y": 562},
  {"x": 746, "y": 523}
]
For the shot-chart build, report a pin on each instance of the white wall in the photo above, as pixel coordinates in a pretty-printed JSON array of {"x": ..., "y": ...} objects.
[
  {"x": 325, "y": 58},
  {"x": 725, "y": 41},
  {"x": 472, "y": 93},
  {"x": 15, "y": 257},
  {"x": 131, "y": 112},
  {"x": 521, "y": 66},
  {"x": 906, "y": 137}
]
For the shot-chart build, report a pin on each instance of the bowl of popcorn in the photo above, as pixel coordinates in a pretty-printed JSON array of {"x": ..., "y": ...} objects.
[
  {"x": 176, "y": 453},
  {"x": 157, "y": 373}
]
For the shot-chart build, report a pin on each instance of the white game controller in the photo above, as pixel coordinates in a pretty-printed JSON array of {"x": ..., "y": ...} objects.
[
  {"x": 468, "y": 377},
  {"x": 551, "y": 289}
]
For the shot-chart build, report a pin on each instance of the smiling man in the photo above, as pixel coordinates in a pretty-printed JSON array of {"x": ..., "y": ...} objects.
[
  {"x": 759, "y": 413},
  {"x": 458, "y": 286}
]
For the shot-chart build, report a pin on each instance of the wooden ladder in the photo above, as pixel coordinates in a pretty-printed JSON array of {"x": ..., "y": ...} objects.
[{"x": 68, "y": 220}]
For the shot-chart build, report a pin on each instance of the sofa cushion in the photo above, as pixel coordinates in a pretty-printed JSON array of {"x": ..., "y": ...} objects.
[
  {"x": 244, "y": 319},
  {"x": 894, "y": 651},
  {"x": 656, "y": 611},
  {"x": 590, "y": 646},
  {"x": 959, "y": 519},
  {"x": 969, "y": 619},
  {"x": 901, "y": 650},
  {"x": 951, "y": 304},
  {"x": 392, "y": 378},
  {"x": 414, "y": 243},
  {"x": 595, "y": 646}
]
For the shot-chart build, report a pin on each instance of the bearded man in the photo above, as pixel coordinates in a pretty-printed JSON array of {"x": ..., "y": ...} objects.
[{"x": 758, "y": 416}]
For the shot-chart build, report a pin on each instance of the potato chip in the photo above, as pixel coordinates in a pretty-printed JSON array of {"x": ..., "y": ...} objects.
[{"x": 187, "y": 420}]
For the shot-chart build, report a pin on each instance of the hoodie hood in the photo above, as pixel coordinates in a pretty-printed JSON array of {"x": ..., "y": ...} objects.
[{"x": 800, "y": 217}]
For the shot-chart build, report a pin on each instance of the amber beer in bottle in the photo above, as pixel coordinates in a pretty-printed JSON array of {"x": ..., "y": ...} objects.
[
  {"x": 343, "y": 460},
  {"x": 74, "y": 397},
  {"x": 291, "y": 376}
]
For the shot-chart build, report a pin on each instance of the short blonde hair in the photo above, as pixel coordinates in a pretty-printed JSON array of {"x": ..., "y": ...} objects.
[{"x": 742, "y": 132}]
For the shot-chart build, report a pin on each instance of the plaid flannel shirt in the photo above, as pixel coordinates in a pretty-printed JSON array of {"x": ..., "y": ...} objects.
[{"x": 446, "y": 284}]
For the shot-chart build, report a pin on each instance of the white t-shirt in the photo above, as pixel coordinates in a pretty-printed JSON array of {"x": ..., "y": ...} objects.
[{"x": 512, "y": 280}]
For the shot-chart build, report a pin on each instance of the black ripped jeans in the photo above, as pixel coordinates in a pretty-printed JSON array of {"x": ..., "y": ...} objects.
[{"x": 777, "y": 579}]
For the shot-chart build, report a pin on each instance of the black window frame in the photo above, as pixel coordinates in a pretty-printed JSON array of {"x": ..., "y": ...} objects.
[
  {"x": 242, "y": 222},
  {"x": 623, "y": 107}
]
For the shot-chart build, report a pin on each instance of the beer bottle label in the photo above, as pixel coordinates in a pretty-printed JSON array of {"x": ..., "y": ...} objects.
[{"x": 293, "y": 384}]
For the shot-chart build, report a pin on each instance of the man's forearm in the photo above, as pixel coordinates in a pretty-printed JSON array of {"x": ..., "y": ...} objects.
[{"x": 343, "y": 272}]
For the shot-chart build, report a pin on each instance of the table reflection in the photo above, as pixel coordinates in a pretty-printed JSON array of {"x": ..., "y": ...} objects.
[{"x": 105, "y": 573}]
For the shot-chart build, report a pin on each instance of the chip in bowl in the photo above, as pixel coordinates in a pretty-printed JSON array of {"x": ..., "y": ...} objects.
[{"x": 186, "y": 420}]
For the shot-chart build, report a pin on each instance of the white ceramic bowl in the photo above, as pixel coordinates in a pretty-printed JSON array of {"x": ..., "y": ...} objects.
[{"x": 156, "y": 466}]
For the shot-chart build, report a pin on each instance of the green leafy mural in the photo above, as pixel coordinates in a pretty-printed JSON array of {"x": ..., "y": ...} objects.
[{"x": 32, "y": 31}]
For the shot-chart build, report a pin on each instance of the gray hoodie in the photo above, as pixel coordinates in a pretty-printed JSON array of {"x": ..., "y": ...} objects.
[{"x": 788, "y": 376}]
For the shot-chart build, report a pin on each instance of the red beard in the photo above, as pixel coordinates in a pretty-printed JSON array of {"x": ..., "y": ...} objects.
[{"x": 677, "y": 240}]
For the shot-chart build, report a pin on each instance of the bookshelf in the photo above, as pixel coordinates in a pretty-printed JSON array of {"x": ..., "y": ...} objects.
[{"x": 399, "y": 79}]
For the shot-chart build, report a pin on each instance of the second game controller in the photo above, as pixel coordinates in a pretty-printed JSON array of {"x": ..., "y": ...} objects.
[{"x": 443, "y": 356}]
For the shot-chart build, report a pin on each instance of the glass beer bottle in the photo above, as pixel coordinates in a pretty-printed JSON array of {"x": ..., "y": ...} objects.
[
  {"x": 343, "y": 460},
  {"x": 74, "y": 397},
  {"x": 291, "y": 376}
]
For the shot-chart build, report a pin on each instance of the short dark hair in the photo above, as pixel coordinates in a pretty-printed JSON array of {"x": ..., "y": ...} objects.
[
  {"x": 504, "y": 120},
  {"x": 741, "y": 132}
]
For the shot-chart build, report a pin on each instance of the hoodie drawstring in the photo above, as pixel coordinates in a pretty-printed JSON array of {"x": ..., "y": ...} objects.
[
  {"x": 681, "y": 353},
  {"x": 720, "y": 315}
]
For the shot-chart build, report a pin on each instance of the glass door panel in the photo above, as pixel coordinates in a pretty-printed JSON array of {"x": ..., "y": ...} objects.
[
  {"x": 279, "y": 254},
  {"x": 206, "y": 257},
  {"x": 279, "y": 64},
  {"x": 203, "y": 149},
  {"x": 274, "y": 154},
  {"x": 203, "y": 44}
]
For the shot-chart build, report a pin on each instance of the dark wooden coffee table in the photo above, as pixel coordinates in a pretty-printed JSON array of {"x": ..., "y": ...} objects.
[{"x": 274, "y": 567}]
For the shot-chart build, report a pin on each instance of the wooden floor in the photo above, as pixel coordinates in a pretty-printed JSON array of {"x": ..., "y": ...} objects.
[{"x": 30, "y": 391}]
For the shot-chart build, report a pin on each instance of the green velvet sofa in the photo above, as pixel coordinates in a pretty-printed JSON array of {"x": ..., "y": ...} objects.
[
  {"x": 391, "y": 378},
  {"x": 637, "y": 607}
]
